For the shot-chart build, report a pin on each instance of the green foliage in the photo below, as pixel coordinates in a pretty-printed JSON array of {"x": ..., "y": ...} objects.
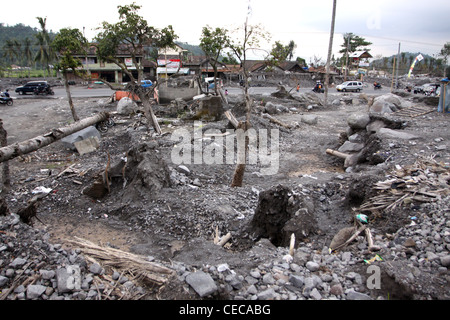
[
  {"x": 67, "y": 43},
  {"x": 130, "y": 35},
  {"x": 213, "y": 41},
  {"x": 354, "y": 43}
]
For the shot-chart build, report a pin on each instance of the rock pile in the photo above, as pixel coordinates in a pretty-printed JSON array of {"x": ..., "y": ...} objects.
[
  {"x": 365, "y": 136},
  {"x": 34, "y": 269}
]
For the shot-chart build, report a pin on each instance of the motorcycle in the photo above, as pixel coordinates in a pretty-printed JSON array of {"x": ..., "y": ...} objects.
[
  {"x": 377, "y": 86},
  {"x": 6, "y": 100},
  {"x": 318, "y": 89},
  {"x": 44, "y": 90}
]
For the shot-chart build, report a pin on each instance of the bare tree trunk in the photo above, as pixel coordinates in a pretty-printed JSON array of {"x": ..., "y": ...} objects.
[
  {"x": 330, "y": 49},
  {"x": 6, "y": 179},
  {"x": 148, "y": 111},
  {"x": 18, "y": 149},
  {"x": 238, "y": 176},
  {"x": 69, "y": 96}
]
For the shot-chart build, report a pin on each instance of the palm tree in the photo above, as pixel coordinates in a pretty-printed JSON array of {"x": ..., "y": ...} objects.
[
  {"x": 45, "y": 54},
  {"x": 27, "y": 53},
  {"x": 10, "y": 52},
  {"x": 330, "y": 48}
]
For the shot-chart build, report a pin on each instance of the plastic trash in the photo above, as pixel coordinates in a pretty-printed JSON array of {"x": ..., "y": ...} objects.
[
  {"x": 376, "y": 258},
  {"x": 362, "y": 218}
]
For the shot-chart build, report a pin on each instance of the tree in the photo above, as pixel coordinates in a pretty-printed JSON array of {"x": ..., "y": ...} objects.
[
  {"x": 353, "y": 43},
  {"x": 66, "y": 43},
  {"x": 213, "y": 42},
  {"x": 292, "y": 46},
  {"x": 281, "y": 53},
  {"x": 45, "y": 54},
  {"x": 445, "y": 53},
  {"x": 27, "y": 53},
  {"x": 130, "y": 36},
  {"x": 252, "y": 35},
  {"x": 301, "y": 61},
  {"x": 330, "y": 48},
  {"x": 278, "y": 54}
]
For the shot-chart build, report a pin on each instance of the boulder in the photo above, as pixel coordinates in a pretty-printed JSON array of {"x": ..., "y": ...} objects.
[
  {"x": 126, "y": 106},
  {"x": 395, "y": 134},
  {"x": 309, "y": 119},
  {"x": 387, "y": 103},
  {"x": 358, "y": 120},
  {"x": 89, "y": 132}
]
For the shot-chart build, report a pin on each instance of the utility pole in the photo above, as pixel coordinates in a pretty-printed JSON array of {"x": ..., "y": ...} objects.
[
  {"x": 346, "y": 57},
  {"x": 398, "y": 59},
  {"x": 330, "y": 48}
]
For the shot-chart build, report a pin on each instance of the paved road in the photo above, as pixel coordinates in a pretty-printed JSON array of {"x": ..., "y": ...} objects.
[
  {"x": 83, "y": 92},
  {"x": 76, "y": 92},
  {"x": 269, "y": 90}
]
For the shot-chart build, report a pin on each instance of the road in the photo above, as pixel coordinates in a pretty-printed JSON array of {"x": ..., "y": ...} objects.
[{"x": 83, "y": 92}]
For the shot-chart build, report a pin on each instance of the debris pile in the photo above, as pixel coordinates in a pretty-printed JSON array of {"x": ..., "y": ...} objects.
[
  {"x": 364, "y": 138},
  {"x": 424, "y": 181}
]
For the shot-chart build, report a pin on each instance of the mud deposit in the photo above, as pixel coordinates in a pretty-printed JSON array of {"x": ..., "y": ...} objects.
[{"x": 155, "y": 208}]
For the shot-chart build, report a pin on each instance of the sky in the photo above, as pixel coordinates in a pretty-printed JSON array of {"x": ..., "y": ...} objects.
[{"x": 415, "y": 25}]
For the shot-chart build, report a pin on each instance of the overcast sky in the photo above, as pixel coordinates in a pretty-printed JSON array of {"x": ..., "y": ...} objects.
[{"x": 420, "y": 26}]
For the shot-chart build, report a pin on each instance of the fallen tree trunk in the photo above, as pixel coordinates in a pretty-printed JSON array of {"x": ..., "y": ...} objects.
[
  {"x": 350, "y": 159},
  {"x": 232, "y": 119},
  {"x": 21, "y": 148}
]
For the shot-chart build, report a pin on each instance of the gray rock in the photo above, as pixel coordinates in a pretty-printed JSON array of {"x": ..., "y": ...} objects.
[
  {"x": 358, "y": 120},
  {"x": 3, "y": 281},
  {"x": 268, "y": 294},
  {"x": 395, "y": 134},
  {"x": 445, "y": 261},
  {"x": 315, "y": 294},
  {"x": 68, "y": 279},
  {"x": 374, "y": 126},
  {"x": 296, "y": 280},
  {"x": 351, "y": 147},
  {"x": 312, "y": 266},
  {"x": 268, "y": 279},
  {"x": 18, "y": 262},
  {"x": 353, "y": 295},
  {"x": 89, "y": 132},
  {"x": 202, "y": 283},
  {"x": 126, "y": 106},
  {"x": 309, "y": 119},
  {"x": 34, "y": 291},
  {"x": 95, "y": 268},
  {"x": 184, "y": 170},
  {"x": 47, "y": 274}
]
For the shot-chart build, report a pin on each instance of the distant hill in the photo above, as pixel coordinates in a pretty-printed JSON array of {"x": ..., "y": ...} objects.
[
  {"x": 19, "y": 32},
  {"x": 195, "y": 50},
  {"x": 428, "y": 65}
]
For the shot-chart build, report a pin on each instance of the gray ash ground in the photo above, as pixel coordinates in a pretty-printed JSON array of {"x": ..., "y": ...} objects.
[{"x": 176, "y": 224}]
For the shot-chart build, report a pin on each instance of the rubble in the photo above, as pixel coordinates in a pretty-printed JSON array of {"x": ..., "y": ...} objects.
[{"x": 174, "y": 216}]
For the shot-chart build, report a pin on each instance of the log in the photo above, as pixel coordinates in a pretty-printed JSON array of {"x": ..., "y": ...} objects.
[
  {"x": 350, "y": 159},
  {"x": 224, "y": 239},
  {"x": 232, "y": 119},
  {"x": 276, "y": 121},
  {"x": 21, "y": 148}
]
